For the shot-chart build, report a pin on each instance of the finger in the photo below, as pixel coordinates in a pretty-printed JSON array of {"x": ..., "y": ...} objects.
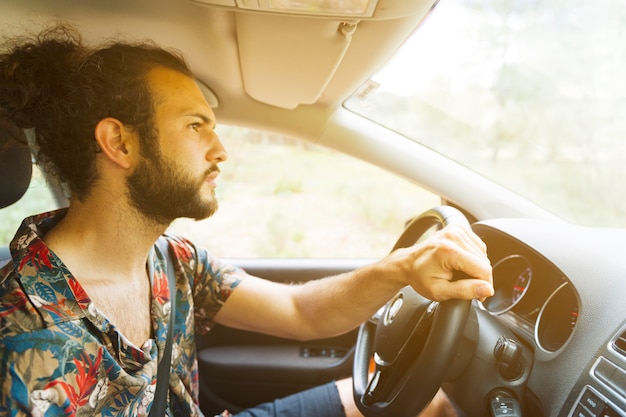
[
  {"x": 463, "y": 289},
  {"x": 468, "y": 253},
  {"x": 475, "y": 242},
  {"x": 466, "y": 238},
  {"x": 474, "y": 265},
  {"x": 472, "y": 269}
]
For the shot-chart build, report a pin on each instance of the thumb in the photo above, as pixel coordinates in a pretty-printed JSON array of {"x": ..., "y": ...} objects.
[{"x": 462, "y": 288}]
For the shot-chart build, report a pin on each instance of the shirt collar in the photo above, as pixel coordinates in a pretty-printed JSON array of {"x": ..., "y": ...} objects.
[{"x": 47, "y": 282}]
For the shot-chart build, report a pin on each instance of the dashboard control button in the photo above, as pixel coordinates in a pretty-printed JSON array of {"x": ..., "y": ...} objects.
[
  {"x": 604, "y": 370},
  {"x": 592, "y": 402},
  {"x": 504, "y": 404},
  {"x": 581, "y": 411},
  {"x": 508, "y": 354},
  {"x": 619, "y": 381}
]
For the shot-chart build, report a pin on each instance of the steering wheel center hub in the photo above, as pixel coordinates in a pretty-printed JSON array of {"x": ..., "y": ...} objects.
[{"x": 394, "y": 308}]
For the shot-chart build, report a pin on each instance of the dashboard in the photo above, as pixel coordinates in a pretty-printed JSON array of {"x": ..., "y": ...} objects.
[{"x": 560, "y": 297}]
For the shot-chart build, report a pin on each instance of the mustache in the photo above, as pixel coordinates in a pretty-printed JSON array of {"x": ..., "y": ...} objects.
[{"x": 211, "y": 170}]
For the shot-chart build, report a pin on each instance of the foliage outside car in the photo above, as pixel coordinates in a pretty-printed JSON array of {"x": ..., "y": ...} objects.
[
  {"x": 527, "y": 93},
  {"x": 283, "y": 198}
]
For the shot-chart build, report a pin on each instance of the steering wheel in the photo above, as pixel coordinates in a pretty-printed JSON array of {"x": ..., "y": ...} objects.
[{"x": 413, "y": 340}]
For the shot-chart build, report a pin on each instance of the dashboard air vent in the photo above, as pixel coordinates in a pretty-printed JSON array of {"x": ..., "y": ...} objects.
[{"x": 619, "y": 344}]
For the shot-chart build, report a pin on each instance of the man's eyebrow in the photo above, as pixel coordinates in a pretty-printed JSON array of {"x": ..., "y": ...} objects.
[{"x": 203, "y": 117}]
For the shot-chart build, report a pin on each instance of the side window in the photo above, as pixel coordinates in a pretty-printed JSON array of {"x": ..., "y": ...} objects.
[
  {"x": 279, "y": 197},
  {"x": 37, "y": 199}
]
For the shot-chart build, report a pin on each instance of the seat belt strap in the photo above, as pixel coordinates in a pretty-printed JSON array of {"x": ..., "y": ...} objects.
[{"x": 159, "y": 405}]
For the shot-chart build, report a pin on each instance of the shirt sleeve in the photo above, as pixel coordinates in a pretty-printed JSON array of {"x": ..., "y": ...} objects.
[{"x": 212, "y": 281}]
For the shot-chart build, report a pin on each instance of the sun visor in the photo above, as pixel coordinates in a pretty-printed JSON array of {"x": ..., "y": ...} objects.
[{"x": 291, "y": 66}]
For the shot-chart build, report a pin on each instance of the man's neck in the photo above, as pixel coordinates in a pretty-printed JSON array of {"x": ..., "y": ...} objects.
[{"x": 104, "y": 241}]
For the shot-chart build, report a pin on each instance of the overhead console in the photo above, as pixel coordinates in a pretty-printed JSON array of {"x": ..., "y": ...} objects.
[{"x": 331, "y": 35}]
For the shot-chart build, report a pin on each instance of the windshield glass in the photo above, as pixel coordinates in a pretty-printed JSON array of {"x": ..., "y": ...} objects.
[{"x": 528, "y": 93}]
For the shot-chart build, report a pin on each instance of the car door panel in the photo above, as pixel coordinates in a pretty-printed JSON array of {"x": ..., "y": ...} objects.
[{"x": 240, "y": 369}]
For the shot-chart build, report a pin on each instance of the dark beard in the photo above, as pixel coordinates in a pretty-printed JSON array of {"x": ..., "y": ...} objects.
[{"x": 163, "y": 193}]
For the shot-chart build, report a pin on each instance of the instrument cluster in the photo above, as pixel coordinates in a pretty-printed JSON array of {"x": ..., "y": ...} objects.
[{"x": 532, "y": 295}]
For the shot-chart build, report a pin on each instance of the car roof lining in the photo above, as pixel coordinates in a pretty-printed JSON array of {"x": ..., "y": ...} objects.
[{"x": 234, "y": 54}]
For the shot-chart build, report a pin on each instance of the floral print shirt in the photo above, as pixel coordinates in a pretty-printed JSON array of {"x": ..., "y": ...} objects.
[{"x": 60, "y": 356}]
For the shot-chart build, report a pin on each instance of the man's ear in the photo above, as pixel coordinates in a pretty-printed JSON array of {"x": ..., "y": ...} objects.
[{"x": 115, "y": 141}]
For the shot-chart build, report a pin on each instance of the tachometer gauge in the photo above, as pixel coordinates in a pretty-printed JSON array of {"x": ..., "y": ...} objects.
[
  {"x": 521, "y": 284},
  {"x": 512, "y": 277}
]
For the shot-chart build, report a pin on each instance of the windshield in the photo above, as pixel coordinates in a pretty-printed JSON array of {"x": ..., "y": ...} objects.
[{"x": 528, "y": 93}]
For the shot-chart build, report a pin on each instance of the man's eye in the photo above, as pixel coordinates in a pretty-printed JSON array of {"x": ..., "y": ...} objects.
[{"x": 195, "y": 126}]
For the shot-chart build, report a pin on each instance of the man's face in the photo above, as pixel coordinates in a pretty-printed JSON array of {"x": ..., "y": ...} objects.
[
  {"x": 177, "y": 179},
  {"x": 164, "y": 191}
]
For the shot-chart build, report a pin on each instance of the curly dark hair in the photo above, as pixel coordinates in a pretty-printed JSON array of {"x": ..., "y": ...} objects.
[{"x": 54, "y": 84}]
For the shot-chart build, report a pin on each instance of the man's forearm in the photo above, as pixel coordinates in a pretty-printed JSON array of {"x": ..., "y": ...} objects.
[{"x": 338, "y": 304}]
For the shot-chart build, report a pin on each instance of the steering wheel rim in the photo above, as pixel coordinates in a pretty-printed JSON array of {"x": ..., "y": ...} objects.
[{"x": 402, "y": 383}]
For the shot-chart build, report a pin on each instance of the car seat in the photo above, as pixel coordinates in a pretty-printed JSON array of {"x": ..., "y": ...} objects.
[{"x": 16, "y": 170}]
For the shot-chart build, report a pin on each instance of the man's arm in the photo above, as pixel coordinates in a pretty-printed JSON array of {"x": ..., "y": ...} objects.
[{"x": 331, "y": 306}]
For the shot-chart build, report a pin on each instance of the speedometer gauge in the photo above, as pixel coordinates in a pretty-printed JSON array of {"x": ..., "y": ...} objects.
[
  {"x": 557, "y": 319},
  {"x": 512, "y": 277}
]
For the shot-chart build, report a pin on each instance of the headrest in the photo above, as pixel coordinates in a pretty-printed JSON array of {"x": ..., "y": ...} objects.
[{"x": 16, "y": 166}]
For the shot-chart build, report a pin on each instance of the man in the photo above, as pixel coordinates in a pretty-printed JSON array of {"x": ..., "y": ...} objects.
[{"x": 84, "y": 305}]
